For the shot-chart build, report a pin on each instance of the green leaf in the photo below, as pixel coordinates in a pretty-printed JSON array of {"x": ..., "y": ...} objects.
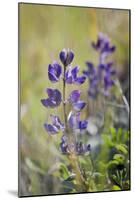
[
  {"x": 113, "y": 133},
  {"x": 108, "y": 140},
  {"x": 116, "y": 187},
  {"x": 119, "y": 157},
  {"x": 71, "y": 177},
  {"x": 112, "y": 163},
  {"x": 64, "y": 171}
]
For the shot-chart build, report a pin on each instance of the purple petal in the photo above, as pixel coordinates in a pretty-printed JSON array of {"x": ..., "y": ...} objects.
[
  {"x": 58, "y": 69},
  {"x": 73, "y": 120},
  {"x": 74, "y": 72},
  {"x": 68, "y": 78},
  {"x": 79, "y": 105},
  {"x": 48, "y": 103},
  {"x": 83, "y": 124},
  {"x": 52, "y": 77},
  {"x": 71, "y": 74},
  {"x": 51, "y": 129},
  {"x": 50, "y": 92},
  {"x": 64, "y": 148},
  {"x": 80, "y": 80},
  {"x": 57, "y": 97},
  {"x": 74, "y": 96},
  {"x": 56, "y": 122},
  {"x": 54, "y": 99},
  {"x": 108, "y": 82},
  {"x": 54, "y": 95},
  {"x": 90, "y": 66},
  {"x": 63, "y": 56},
  {"x": 68, "y": 75},
  {"x": 54, "y": 72}
]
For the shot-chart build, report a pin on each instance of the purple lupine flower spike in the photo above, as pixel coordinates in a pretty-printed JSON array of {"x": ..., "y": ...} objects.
[
  {"x": 54, "y": 99},
  {"x": 54, "y": 72},
  {"x": 101, "y": 77},
  {"x": 66, "y": 56},
  {"x": 70, "y": 76}
]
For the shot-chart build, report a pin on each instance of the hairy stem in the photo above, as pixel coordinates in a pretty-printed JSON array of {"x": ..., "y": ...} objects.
[{"x": 79, "y": 177}]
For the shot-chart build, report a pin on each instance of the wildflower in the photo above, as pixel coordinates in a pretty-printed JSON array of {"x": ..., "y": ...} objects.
[
  {"x": 56, "y": 125},
  {"x": 54, "y": 99},
  {"x": 75, "y": 122},
  {"x": 66, "y": 56},
  {"x": 71, "y": 76},
  {"x": 54, "y": 72},
  {"x": 74, "y": 147},
  {"x": 74, "y": 96},
  {"x": 74, "y": 99},
  {"x": 103, "y": 44}
]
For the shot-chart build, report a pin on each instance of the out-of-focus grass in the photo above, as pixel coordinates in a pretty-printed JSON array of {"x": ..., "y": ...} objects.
[{"x": 44, "y": 32}]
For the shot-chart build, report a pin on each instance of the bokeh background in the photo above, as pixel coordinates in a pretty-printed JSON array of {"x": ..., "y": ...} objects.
[{"x": 43, "y": 32}]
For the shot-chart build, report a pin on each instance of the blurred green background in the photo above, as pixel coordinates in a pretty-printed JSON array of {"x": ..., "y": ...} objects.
[{"x": 43, "y": 32}]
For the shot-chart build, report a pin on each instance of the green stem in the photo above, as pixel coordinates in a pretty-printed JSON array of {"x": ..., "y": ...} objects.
[{"x": 64, "y": 101}]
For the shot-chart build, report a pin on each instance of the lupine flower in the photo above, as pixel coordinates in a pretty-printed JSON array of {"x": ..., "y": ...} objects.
[
  {"x": 74, "y": 96},
  {"x": 72, "y": 78},
  {"x": 103, "y": 44},
  {"x": 54, "y": 99},
  {"x": 75, "y": 122},
  {"x": 54, "y": 72},
  {"x": 74, "y": 99},
  {"x": 56, "y": 125},
  {"x": 66, "y": 56},
  {"x": 78, "y": 147},
  {"x": 56, "y": 121},
  {"x": 82, "y": 148}
]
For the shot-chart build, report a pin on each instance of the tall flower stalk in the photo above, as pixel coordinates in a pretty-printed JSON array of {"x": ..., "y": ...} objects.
[{"x": 72, "y": 124}]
